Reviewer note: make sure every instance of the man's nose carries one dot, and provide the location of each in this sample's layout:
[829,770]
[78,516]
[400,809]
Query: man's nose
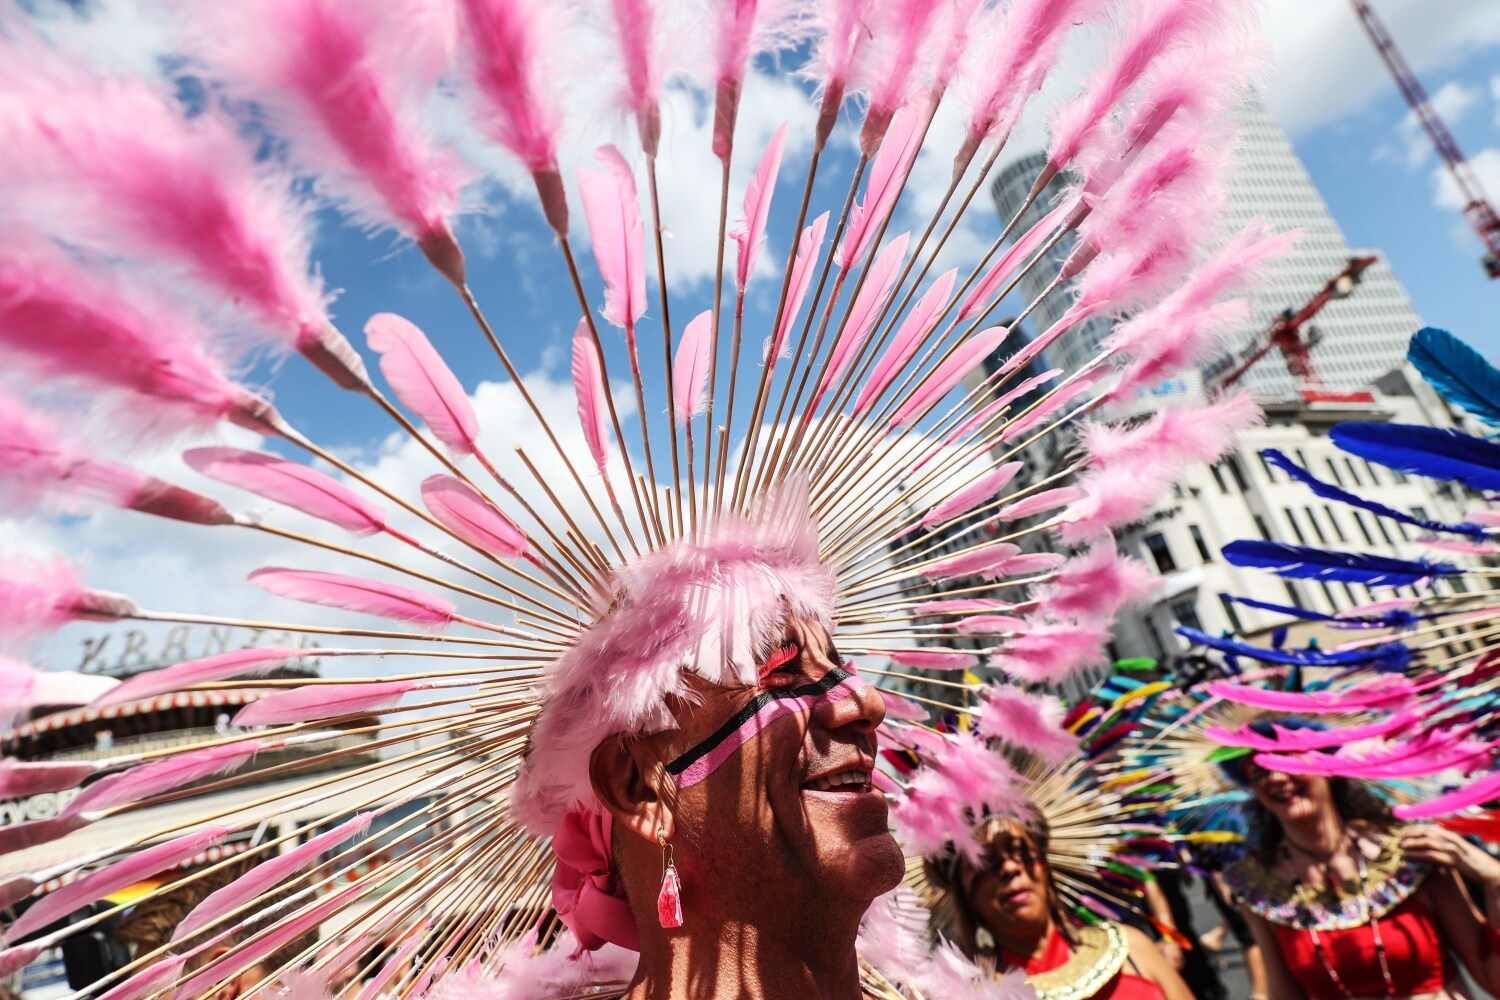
[861,709]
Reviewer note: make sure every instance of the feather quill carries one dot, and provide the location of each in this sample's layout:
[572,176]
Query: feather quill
[370,597]
[267,876]
[614,217]
[1328,491]
[218,667]
[908,339]
[809,247]
[111,878]
[471,516]
[749,234]
[1457,371]
[314,493]
[690,368]
[588,387]
[949,373]
[1308,563]
[887,176]
[1434,452]
[423,382]
[985,488]
[860,316]
[324,701]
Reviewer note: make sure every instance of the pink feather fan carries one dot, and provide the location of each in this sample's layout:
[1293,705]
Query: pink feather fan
[749,234]
[370,597]
[588,387]
[291,483]
[423,381]
[347,83]
[614,217]
[38,463]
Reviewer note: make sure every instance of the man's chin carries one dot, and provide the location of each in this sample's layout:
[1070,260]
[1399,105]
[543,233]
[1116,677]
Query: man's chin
[867,867]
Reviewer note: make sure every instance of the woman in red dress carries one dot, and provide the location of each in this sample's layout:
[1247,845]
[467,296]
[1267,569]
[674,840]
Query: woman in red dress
[1005,915]
[1346,904]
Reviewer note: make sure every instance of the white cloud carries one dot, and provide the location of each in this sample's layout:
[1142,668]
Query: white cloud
[1495,95]
[1326,67]
[1486,164]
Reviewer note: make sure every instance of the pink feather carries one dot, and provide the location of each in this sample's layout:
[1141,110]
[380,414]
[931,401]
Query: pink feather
[471,516]
[887,176]
[1014,256]
[992,410]
[39,596]
[347,85]
[1013,59]
[1033,562]
[112,878]
[991,625]
[20,779]
[987,487]
[38,462]
[120,165]
[959,606]
[983,560]
[181,676]
[1310,739]
[265,944]
[1030,721]
[1114,496]
[1475,793]
[324,701]
[899,32]
[370,597]
[949,373]
[614,217]
[690,367]
[1181,434]
[1056,401]
[18,688]
[66,324]
[740,27]
[875,289]
[908,339]
[588,386]
[268,875]
[1396,692]
[749,234]
[897,707]
[1464,546]
[1488,518]
[148,780]
[635,21]
[1094,586]
[934,659]
[152,979]
[1040,503]
[20,836]
[423,381]
[314,493]
[809,246]
[1052,652]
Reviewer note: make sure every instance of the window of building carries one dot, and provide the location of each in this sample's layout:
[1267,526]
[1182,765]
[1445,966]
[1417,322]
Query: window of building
[1231,612]
[1333,472]
[1328,595]
[1293,595]
[1266,465]
[1296,528]
[1420,513]
[1380,527]
[1200,544]
[1364,529]
[1317,528]
[1218,475]
[1338,528]
[1238,474]
[1400,476]
[1353,472]
[1260,527]
[1161,553]
[1186,613]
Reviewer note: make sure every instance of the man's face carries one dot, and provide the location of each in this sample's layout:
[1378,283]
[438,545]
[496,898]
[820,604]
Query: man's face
[772,781]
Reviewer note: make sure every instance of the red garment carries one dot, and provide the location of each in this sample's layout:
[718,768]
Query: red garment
[1123,987]
[1413,949]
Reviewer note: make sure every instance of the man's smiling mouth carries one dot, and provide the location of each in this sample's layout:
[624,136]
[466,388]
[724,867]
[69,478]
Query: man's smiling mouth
[851,780]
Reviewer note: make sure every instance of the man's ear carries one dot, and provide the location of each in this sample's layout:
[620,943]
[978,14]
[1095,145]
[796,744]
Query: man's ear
[627,779]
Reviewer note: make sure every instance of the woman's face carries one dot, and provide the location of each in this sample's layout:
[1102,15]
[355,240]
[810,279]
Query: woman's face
[1010,893]
[1289,797]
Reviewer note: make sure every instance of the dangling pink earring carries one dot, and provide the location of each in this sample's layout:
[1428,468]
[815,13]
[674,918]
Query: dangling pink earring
[669,900]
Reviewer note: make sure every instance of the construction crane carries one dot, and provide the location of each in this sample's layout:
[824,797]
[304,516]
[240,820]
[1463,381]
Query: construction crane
[1477,208]
[1285,335]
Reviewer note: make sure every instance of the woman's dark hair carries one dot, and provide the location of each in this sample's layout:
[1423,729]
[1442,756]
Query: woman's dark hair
[953,874]
[1353,800]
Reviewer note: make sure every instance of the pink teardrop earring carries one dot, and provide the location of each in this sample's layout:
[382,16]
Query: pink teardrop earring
[669,900]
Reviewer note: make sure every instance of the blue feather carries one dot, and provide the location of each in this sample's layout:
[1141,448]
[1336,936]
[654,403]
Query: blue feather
[1397,618]
[1386,656]
[1457,371]
[1424,451]
[1338,494]
[1304,562]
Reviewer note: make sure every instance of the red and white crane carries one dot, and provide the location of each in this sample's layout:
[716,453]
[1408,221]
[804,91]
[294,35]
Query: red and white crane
[1477,208]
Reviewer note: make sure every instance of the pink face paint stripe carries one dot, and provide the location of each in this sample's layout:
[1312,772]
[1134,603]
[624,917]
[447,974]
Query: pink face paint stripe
[753,726]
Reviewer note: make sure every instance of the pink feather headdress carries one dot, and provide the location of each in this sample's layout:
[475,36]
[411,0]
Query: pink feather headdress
[707,606]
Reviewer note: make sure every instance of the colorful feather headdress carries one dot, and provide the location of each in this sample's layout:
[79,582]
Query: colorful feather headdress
[842,459]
